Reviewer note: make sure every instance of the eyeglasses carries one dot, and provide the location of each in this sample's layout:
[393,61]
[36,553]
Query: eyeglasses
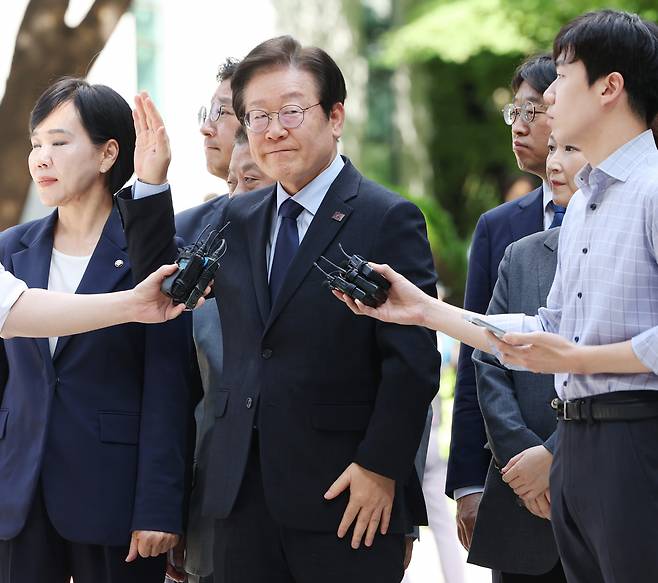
[217,111]
[290,117]
[528,112]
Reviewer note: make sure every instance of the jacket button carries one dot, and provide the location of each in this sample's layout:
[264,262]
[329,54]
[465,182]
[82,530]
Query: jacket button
[249,402]
[267,353]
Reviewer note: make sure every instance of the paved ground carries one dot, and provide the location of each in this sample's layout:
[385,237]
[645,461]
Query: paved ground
[425,566]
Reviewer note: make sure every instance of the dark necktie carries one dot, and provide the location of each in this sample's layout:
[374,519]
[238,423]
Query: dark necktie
[558,214]
[287,243]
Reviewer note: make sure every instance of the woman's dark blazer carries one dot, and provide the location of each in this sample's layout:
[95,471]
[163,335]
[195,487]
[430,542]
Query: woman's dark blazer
[102,425]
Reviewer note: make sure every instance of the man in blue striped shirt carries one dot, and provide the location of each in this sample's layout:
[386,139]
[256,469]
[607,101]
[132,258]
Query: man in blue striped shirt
[599,331]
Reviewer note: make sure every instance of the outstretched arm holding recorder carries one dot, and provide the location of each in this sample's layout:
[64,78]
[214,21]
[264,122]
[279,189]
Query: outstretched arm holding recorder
[532,348]
[40,313]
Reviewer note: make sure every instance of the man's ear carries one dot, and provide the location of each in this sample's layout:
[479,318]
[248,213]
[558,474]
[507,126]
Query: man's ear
[337,119]
[611,88]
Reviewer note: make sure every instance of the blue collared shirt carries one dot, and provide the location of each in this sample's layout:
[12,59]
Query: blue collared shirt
[606,284]
[310,197]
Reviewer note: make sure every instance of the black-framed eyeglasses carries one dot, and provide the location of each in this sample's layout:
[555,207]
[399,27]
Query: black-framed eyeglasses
[217,112]
[528,112]
[290,116]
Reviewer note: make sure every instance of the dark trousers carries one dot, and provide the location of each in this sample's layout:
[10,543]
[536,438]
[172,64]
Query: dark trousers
[250,547]
[40,555]
[555,575]
[604,500]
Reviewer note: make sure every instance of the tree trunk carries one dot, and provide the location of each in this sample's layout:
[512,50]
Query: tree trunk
[46,48]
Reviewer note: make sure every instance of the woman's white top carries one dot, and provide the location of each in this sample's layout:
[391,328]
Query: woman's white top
[11,289]
[66,273]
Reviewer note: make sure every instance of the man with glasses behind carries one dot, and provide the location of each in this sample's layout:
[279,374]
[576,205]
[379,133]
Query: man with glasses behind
[311,468]
[217,124]
[496,229]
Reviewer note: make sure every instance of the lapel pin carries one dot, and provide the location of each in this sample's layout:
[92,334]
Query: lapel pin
[338,216]
[118,263]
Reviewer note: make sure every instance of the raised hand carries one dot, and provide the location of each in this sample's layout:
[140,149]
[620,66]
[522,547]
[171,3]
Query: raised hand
[405,304]
[152,151]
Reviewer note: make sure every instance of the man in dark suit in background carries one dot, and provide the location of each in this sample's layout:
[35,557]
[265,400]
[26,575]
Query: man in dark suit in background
[496,229]
[320,413]
[218,125]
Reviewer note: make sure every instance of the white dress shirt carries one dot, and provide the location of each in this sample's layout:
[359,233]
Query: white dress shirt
[310,197]
[66,273]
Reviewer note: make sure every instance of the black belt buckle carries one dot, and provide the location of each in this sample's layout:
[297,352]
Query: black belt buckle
[567,410]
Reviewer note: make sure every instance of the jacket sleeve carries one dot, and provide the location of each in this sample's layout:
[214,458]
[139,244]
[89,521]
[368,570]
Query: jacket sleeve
[410,361]
[506,428]
[166,415]
[150,232]
[468,461]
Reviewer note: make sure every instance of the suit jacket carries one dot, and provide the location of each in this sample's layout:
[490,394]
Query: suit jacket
[495,230]
[98,423]
[208,341]
[330,388]
[517,415]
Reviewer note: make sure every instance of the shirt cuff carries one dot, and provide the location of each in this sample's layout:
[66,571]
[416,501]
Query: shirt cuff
[467,491]
[513,323]
[645,347]
[142,189]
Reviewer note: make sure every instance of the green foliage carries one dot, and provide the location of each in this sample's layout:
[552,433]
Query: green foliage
[464,52]
[456,31]
[450,250]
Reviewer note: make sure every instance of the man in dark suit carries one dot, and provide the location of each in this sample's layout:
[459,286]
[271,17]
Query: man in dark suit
[320,413]
[218,125]
[496,229]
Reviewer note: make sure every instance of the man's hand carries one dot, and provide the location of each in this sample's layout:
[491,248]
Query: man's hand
[467,511]
[152,152]
[540,506]
[149,543]
[405,304]
[540,352]
[408,550]
[527,472]
[149,305]
[370,504]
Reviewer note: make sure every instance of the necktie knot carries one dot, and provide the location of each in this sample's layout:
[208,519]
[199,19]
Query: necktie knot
[290,209]
[558,214]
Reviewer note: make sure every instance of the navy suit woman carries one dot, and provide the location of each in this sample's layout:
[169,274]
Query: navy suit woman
[92,446]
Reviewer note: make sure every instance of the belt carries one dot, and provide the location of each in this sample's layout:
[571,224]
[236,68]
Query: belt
[604,408]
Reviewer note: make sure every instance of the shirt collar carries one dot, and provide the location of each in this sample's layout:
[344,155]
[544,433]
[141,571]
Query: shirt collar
[311,196]
[620,164]
[547,193]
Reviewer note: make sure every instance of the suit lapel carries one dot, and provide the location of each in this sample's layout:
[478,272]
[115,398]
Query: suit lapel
[258,229]
[528,217]
[321,232]
[107,267]
[32,264]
